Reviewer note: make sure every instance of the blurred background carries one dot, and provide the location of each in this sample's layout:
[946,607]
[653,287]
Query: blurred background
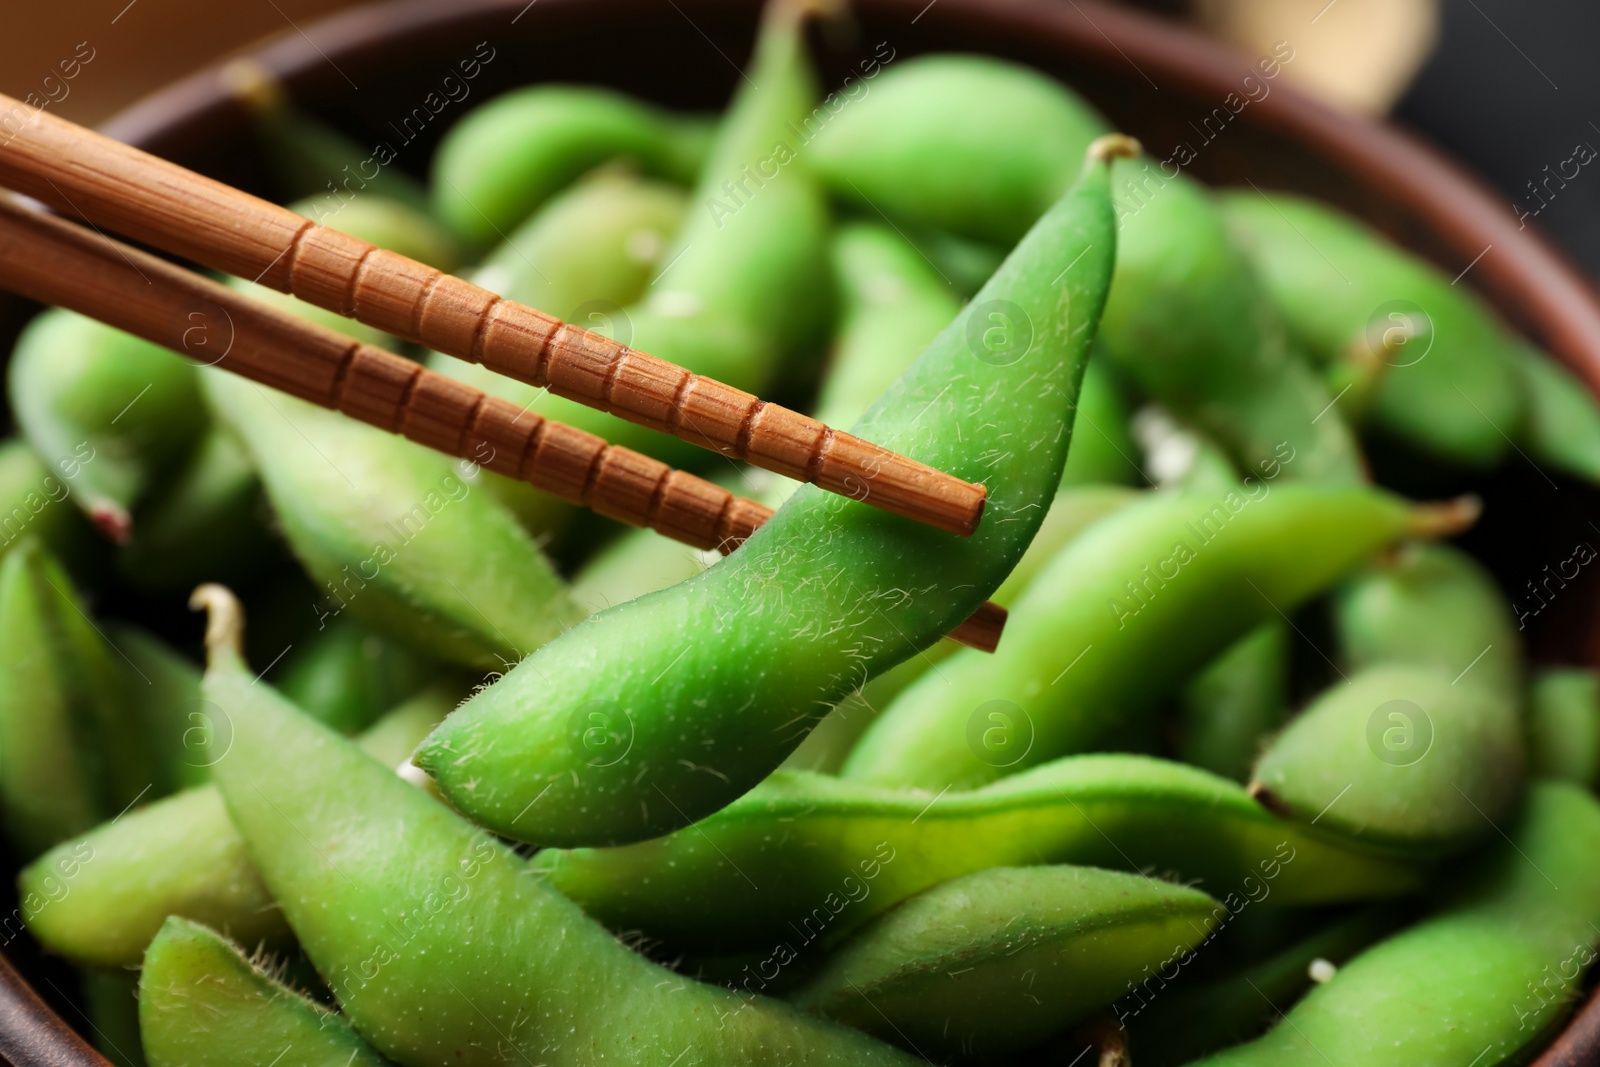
[1507,86]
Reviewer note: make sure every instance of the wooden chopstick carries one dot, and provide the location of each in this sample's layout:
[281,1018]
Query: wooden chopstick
[120,188]
[55,262]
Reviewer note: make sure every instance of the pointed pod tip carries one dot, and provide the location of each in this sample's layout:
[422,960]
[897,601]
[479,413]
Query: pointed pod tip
[112,520]
[224,620]
[1268,799]
[1445,518]
[1114,146]
[254,86]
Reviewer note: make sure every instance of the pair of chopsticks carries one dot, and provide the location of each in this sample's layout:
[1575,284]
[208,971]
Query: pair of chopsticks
[112,185]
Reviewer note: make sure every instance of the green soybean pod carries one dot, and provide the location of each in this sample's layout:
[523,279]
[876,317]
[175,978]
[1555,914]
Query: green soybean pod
[502,161]
[108,411]
[396,534]
[99,898]
[582,257]
[205,521]
[432,934]
[1481,981]
[804,858]
[33,498]
[1562,427]
[1000,960]
[162,690]
[969,144]
[201,1002]
[1189,323]
[695,693]
[1177,1027]
[1230,708]
[1108,627]
[1431,605]
[72,753]
[1451,385]
[1564,725]
[347,676]
[1074,510]
[1397,758]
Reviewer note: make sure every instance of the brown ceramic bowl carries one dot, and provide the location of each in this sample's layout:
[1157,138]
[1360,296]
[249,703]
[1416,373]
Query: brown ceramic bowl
[366,69]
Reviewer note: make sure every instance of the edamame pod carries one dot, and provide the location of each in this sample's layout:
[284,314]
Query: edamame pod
[1002,959]
[1229,709]
[1480,982]
[107,410]
[33,498]
[438,944]
[1103,450]
[1452,386]
[163,694]
[98,899]
[663,709]
[347,676]
[1396,758]
[587,253]
[206,521]
[1187,322]
[1435,606]
[201,1003]
[396,533]
[72,754]
[1073,511]
[1108,627]
[969,144]
[1174,1028]
[1562,427]
[826,854]
[1564,725]
[505,158]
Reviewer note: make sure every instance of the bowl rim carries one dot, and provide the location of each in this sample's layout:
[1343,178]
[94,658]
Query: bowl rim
[1525,272]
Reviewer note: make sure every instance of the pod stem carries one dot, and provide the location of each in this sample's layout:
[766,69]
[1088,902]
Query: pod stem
[256,87]
[1114,146]
[1446,518]
[224,622]
[112,520]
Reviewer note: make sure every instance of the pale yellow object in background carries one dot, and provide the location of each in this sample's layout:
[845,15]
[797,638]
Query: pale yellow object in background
[1358,54]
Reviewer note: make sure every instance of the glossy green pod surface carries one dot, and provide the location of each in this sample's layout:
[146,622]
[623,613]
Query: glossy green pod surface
[1107,628]
[1000,960]
[201,1002]
[1190,324]
[663,709]
[1480,982]
[71,752]
[804,857]
[1397,758]
[970,144]
[1562,427]
[1451,385]
[1564,725]
[395,533]
[33,498]
[438,943]
[1435,606]
[500,163]
[107,410]
[98,899]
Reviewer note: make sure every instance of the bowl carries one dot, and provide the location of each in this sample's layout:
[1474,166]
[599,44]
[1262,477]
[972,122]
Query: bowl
[368,70]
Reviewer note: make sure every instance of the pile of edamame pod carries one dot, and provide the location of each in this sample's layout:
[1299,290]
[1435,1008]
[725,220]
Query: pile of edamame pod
[1259,773]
